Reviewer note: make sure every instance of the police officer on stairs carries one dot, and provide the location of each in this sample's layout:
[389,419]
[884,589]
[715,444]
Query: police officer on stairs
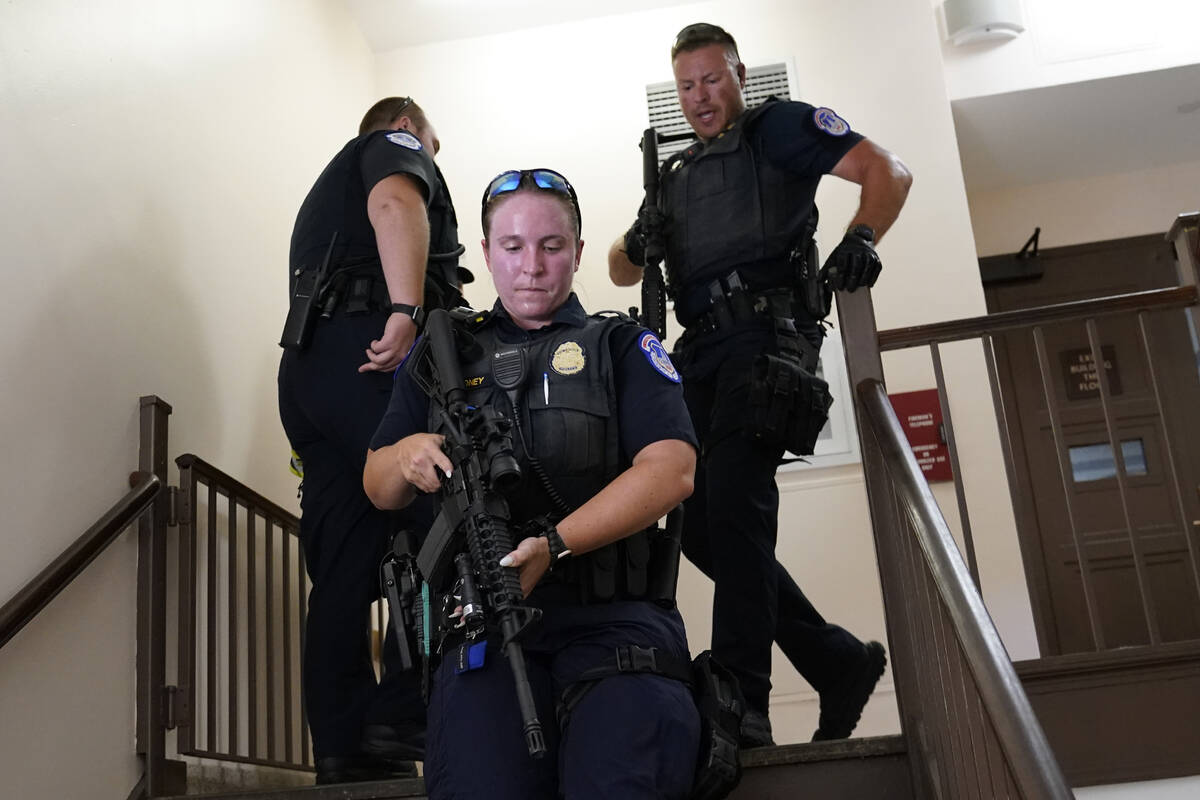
[737,214]
[375,244]
[606,448]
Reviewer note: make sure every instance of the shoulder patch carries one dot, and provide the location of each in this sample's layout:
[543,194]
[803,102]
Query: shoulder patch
[656,354]
[404,139]
[568,358]
[827,120]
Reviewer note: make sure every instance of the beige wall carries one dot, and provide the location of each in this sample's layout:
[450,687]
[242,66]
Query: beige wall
[154,154]
[571,97]
[1087,210]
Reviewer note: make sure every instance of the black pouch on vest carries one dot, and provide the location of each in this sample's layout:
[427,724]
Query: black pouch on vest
[788,404]
[719,699]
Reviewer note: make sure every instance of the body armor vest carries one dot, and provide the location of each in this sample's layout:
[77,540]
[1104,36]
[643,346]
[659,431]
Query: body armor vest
[727,206]
[565,437]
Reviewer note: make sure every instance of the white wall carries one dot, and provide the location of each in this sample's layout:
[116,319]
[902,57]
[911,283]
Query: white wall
[1088,210]
[571,96]
[1075,40]
[154,153]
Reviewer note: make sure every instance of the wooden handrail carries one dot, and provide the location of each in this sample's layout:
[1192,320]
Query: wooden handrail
[1033,765]
[35,595]
[972,327]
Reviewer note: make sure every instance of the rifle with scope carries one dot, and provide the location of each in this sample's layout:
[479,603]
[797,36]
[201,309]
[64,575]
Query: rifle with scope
[472,531]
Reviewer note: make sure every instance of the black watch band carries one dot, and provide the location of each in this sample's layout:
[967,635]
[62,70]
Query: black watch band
[865,232]
[559,551]
[416,312]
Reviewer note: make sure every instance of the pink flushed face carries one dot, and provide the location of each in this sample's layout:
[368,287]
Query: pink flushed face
[532,254]
[709,89]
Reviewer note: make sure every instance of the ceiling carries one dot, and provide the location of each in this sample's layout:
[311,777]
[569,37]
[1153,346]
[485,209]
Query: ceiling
[1098,127]
[1077,130]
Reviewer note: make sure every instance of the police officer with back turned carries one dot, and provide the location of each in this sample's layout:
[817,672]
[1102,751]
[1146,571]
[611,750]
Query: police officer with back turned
[736,215]
[375,244]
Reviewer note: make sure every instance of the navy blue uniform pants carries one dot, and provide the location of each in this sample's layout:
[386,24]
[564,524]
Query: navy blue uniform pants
[730,525]
[632,736]
[329,411]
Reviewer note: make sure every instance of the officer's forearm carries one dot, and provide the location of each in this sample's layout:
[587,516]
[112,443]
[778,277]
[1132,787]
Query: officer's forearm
[621,270]
[659,479]
[396,208]
[384,482]
[885,185]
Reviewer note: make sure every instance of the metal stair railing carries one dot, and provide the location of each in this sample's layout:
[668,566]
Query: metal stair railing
[47,584]
[964,716]
[968,718]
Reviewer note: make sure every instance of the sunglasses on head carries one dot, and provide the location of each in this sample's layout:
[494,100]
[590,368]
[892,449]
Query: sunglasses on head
[514,179]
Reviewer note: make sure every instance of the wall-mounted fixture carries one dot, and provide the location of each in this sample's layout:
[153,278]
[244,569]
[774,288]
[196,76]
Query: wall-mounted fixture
[969,21]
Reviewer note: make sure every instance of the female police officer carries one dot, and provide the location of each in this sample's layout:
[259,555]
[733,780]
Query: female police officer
[606,448]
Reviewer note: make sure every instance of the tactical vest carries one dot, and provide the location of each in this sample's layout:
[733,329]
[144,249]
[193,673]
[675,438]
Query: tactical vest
[726,205]
[566,438]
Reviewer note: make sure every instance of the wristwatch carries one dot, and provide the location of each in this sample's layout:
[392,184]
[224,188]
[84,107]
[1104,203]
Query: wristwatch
[864,232]
[416,312]
[559,551]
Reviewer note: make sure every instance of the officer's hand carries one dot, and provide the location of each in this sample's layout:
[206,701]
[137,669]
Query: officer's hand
[645,234]
[532,560]
[853,262]
[419,458]
[386,352]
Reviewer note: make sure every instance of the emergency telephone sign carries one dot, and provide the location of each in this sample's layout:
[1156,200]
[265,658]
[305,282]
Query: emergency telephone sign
[921,418]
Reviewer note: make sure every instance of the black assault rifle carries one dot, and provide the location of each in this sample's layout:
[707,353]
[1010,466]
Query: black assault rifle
[471,533]
[654,296]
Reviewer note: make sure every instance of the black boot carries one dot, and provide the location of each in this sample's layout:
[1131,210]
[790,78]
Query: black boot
[842,703]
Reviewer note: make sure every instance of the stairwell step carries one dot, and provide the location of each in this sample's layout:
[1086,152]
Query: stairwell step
[407,789]
[865,747]
[758,763]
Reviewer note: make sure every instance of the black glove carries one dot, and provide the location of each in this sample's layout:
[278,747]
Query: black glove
[853,262]
[647,230]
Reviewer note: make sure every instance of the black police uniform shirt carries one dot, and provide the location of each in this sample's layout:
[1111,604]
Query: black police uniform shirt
[805,141]
[650,404]
[338,201]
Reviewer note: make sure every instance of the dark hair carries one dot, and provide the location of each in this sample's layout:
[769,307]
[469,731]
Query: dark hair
[528,186]
[380,116]
[702,34]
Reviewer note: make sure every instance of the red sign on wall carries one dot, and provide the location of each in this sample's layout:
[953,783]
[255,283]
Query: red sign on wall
[921,417]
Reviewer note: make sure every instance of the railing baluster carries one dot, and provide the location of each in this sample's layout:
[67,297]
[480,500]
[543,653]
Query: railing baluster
[269,564]
[1118,453]
[1169,451]
[1021,504]
[232,572]
[186,669]
[252,636]
[1064,468]
[956,469]
[301,581]
[285,579]
[210,657]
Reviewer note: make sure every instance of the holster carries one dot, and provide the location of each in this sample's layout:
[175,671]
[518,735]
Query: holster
[788,404]
[812,293]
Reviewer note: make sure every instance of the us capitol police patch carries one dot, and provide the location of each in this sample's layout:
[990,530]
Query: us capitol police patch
[404,139]
[827,120]
[568,359]
[656,354]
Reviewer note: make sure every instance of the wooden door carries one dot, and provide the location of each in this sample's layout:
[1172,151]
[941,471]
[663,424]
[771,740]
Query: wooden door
[1091,499]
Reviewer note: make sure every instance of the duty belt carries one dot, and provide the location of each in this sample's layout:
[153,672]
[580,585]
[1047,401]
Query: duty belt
[732,304]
